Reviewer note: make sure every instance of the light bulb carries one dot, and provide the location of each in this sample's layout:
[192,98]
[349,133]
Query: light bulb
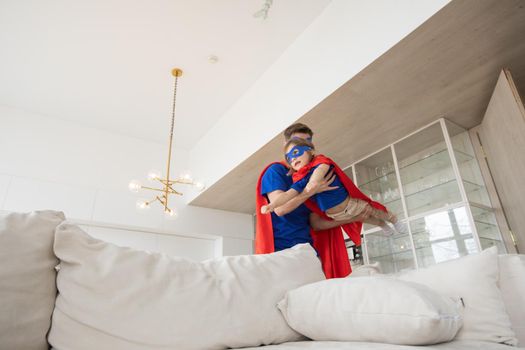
[134,186]
[170,213]
[200,186]
[153,175]
[142,204]
[186,176]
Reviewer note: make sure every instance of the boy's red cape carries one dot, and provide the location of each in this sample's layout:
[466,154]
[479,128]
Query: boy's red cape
[330,244]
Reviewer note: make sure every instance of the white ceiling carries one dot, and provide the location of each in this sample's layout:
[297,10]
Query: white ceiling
[106,63]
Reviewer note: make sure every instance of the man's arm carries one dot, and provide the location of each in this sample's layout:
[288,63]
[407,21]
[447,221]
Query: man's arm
[291,205]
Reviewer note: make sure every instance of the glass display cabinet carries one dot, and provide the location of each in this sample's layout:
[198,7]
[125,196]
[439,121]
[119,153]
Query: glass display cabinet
[432,181]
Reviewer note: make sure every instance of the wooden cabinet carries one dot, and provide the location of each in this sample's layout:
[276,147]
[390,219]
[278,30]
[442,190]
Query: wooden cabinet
[502,134]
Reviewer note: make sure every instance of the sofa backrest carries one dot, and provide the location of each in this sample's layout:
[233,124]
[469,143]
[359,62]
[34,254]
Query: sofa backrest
[27,278]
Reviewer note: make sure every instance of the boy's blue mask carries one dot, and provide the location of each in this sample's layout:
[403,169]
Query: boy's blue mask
[295,152]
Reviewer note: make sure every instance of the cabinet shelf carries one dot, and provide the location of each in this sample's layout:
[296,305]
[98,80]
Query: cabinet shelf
[487,230]
[429,164]
[440,209]
[387,177]
[444,188]
[433,197]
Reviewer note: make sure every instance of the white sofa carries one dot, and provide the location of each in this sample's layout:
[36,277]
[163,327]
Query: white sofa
[119,298]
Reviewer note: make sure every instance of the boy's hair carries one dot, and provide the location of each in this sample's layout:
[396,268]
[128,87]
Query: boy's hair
[297,142]
[297,128]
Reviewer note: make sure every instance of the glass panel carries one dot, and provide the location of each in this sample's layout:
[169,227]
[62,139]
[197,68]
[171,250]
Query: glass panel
[488,230]
[426,171]
[468,165]
[355,253]
[442,236]
[394,253]
[376,177]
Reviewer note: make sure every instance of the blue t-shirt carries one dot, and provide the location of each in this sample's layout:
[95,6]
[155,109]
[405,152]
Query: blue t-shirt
[294,227]
[327,199]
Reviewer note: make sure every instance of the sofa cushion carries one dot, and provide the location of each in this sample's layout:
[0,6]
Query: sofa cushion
[366,270]
[27,278]
[474,278]
[120,298]
[375,309]
[512,286]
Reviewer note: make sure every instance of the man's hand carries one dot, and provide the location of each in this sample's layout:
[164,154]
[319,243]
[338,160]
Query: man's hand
[323,185]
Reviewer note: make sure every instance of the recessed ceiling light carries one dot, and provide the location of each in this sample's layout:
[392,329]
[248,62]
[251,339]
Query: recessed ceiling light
[213,59]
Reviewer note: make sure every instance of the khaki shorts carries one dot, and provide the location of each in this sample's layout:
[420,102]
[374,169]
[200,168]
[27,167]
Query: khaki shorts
[353,208]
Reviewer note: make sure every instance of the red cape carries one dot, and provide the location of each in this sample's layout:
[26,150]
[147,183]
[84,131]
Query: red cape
[330,244]
[334,240]
[263,222]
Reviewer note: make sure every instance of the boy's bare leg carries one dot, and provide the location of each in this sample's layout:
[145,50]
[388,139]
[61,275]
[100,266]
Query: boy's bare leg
[381,215]
[374,221]
[390,217]
[382,224]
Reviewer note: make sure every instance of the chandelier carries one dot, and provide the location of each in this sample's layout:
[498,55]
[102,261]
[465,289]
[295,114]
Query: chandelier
[264,11]
[166,189]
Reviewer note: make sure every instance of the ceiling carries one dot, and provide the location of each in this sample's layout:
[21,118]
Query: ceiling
[106,64]
[446,67]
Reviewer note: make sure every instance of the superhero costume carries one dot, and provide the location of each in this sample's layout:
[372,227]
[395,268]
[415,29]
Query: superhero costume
[329,243]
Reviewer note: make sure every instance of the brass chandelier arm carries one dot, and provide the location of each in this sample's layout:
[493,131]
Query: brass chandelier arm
[176,181]
[182,181]
[167,189]
[160,200]
[173,191]
[153,189]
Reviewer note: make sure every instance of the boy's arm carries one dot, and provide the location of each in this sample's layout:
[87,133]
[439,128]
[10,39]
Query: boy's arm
[292,204]
[317,176]
[278,198]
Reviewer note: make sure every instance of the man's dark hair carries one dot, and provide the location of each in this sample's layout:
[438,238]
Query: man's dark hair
[297,128]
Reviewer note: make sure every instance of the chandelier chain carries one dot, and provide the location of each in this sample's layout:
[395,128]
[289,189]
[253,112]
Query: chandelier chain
[173,107]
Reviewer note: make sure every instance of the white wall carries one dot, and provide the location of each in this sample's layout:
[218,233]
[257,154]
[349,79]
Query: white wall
[46,163]
[346,37]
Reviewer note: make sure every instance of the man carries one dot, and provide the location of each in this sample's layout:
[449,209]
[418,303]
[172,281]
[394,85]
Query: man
[290,224]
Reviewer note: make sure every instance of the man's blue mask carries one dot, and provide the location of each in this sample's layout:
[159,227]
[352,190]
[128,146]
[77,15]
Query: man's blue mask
[295,152]
[309,138]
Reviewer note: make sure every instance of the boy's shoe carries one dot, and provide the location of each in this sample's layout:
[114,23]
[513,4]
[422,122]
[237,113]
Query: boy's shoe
[401,227]
[387,230]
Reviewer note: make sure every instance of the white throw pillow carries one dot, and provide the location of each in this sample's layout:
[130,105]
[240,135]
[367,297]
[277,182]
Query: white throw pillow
[27,278]
[120,298]
[366,270]
[373,309]
[512,286]
[473,278]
